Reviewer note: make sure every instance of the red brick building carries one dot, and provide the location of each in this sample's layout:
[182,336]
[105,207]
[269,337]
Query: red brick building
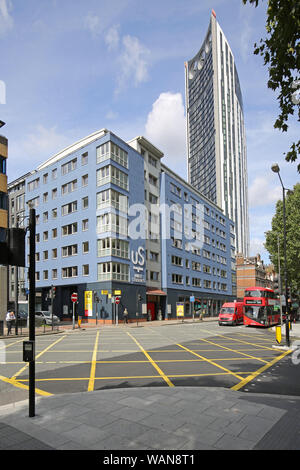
[251,272]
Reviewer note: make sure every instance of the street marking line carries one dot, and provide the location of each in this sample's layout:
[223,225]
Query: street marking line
[243,342]
[234,350]
[93,365]
[161,373]
[259,371]
[16,383]
[68,379]
[11,344]
[39,355]
[212,362]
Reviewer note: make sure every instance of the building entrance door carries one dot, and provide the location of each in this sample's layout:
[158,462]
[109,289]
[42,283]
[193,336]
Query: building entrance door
[151,307]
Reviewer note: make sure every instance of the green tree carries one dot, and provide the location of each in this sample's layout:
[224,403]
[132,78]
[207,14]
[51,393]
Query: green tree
[292,210]
[281,52]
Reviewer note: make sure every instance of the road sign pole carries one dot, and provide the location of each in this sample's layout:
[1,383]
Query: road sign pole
[73,315]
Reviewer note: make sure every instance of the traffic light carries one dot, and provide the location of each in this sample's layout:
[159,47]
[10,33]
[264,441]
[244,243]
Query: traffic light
[53,292]
[276,286]
[139,297]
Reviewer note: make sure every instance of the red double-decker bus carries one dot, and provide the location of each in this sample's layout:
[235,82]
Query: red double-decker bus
[261,307]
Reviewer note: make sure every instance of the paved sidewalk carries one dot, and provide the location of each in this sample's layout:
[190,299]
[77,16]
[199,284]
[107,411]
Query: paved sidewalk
[158,418]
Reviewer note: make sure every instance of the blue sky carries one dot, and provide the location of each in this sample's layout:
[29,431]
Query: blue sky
[71,67]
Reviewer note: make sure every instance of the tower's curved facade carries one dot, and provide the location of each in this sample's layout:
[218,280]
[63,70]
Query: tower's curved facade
[216,141]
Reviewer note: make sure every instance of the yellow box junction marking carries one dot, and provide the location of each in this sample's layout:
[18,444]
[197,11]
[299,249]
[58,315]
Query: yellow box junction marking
[259,371]
[211,362]
[161,373]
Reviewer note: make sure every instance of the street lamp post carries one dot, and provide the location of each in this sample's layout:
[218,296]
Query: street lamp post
[275,168]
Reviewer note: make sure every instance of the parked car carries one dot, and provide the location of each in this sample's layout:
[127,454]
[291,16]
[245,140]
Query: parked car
[46,317]
[23,319]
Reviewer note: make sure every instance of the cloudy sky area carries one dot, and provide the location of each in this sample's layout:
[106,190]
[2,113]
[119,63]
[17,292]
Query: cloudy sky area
[71,67]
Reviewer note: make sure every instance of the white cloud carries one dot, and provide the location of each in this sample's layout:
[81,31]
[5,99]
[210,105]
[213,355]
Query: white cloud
[6,21]
[133,63]
[262,192]
[39,145]
[112,38]
[166,129]
[92,23]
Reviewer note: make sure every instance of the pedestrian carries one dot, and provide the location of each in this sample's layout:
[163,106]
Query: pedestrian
[125,315]
[10,319]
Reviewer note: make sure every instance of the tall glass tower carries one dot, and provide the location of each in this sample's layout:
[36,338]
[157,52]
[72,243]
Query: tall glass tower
[216,142]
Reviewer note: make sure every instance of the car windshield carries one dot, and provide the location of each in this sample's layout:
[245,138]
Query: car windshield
[47,314]
[227,310]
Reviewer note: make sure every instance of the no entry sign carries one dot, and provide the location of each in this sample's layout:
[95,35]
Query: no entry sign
[117,300]
[74,297]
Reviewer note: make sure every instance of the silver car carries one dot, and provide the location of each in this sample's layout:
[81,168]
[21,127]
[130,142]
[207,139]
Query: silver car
[46,317]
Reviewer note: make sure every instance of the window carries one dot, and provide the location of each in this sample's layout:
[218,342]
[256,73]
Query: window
[84,158]
[113,271]
[154,276]
[54,213]
[70,272]
[112,198]
[54,193]
[54,233]
[69,166]
[152,180]
[70,250]
[85,180]
[45,178]
[69,187]
[54,174]
[176,260]
[45,217]
[54,273]
[113,247]
[196,282]
[85,270]
[45,255]
[45,275]
[33,184]
[85,247]
[111,174]
[152,161]
[69,208]
[54,253]
[85,202]
[85,225]
[113,151]
[45,198]
[177,279]
[45,236]
[69,229]
[112,223]
[153,199]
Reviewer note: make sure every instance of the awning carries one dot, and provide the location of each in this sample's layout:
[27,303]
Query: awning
[155,291]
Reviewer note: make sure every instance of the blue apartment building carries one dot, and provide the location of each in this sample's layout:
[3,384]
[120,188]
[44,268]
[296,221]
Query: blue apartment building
[91,235]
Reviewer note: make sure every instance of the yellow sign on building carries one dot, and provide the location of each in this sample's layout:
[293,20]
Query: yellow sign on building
[88,303]
[180,309]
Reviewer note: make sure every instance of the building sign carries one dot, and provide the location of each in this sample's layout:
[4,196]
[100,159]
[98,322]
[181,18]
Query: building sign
[138,261]
[88,303]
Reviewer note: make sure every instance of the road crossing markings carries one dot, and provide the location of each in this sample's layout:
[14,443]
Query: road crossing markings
[243,342]
[259,371]
[18,384]
[161,373]
[233,350]
[39,355]
[91,384]
[212,362]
